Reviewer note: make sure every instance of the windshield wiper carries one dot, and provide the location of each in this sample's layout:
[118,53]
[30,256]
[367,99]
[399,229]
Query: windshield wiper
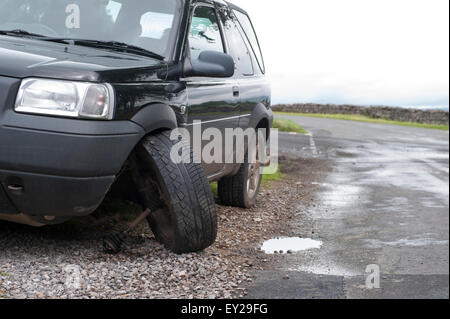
[114,45]
[20,33]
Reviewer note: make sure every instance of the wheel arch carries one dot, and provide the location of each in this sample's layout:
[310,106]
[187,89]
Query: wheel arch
[262,117]
[155,118]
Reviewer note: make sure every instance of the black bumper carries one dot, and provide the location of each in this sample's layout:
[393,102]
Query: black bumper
[58,167]
[45,195]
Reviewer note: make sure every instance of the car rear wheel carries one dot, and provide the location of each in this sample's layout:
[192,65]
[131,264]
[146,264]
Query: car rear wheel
[183,215]
[242,189]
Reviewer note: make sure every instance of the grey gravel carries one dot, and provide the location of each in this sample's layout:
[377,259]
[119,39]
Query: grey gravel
[34,265]
[67,261]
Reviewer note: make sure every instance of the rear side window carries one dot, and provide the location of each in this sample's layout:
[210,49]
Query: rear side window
[238,47]
[250,33]
[205,32]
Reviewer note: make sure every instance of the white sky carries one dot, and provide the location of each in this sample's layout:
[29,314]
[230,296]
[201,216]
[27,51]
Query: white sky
[370,52]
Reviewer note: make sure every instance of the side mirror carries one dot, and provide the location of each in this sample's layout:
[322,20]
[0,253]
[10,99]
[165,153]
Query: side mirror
[210,64]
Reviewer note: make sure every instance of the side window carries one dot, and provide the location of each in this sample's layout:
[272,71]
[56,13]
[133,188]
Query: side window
[205,32]
[238,47]
[250,33]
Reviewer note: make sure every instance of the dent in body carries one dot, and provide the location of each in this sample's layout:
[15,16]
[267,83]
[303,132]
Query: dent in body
[133,98]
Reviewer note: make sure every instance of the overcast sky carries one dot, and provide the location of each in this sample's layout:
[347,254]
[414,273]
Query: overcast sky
[370,52]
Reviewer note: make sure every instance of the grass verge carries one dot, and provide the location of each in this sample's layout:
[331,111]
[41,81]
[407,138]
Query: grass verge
[267,179]
[288,126]
[366,119]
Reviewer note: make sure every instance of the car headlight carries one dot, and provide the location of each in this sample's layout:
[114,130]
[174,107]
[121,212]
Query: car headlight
[65,98]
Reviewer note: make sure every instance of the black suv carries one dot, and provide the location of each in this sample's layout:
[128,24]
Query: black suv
[90,92]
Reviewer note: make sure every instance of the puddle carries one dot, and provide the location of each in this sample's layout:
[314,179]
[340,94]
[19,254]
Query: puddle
[294,244]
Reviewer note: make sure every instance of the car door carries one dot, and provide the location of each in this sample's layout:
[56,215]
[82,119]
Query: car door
[213,101]
[253,85]
[244,68]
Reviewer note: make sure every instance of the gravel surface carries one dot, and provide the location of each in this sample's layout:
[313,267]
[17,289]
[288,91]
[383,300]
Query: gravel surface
[67,261]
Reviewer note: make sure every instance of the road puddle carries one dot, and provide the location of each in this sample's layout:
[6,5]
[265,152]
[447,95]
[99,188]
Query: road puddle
[289,245]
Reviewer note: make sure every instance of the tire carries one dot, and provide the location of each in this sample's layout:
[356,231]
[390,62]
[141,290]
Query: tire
[186,220]
[236,191]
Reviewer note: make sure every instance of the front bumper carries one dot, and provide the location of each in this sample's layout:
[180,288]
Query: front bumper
[49,195]
[58,167]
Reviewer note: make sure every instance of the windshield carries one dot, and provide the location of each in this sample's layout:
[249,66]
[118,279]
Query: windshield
[149,24]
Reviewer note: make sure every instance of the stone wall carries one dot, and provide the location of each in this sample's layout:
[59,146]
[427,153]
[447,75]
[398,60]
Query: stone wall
[378,112]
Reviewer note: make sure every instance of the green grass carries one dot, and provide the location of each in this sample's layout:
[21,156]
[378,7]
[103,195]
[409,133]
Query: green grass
[214,187]
[267,179]
[361,118]
[288,126]
[3,274]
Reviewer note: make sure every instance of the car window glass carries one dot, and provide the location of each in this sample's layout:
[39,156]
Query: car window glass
[205,32]
[238,47]
[250,33]
[148,24]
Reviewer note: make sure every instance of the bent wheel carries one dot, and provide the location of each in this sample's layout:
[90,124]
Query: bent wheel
[187,220]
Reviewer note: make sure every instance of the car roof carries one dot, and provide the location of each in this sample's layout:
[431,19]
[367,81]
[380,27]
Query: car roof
[235,7]
[231,5]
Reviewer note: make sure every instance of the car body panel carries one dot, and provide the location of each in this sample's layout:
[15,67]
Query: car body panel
[23,57]
[63,167]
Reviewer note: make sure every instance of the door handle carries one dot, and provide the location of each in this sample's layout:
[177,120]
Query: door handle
[236,91]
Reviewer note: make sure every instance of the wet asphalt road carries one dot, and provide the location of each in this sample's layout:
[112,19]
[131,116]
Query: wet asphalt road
[385,202]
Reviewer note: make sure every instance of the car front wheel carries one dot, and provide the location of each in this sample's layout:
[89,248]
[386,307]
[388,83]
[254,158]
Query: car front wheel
[184,213]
